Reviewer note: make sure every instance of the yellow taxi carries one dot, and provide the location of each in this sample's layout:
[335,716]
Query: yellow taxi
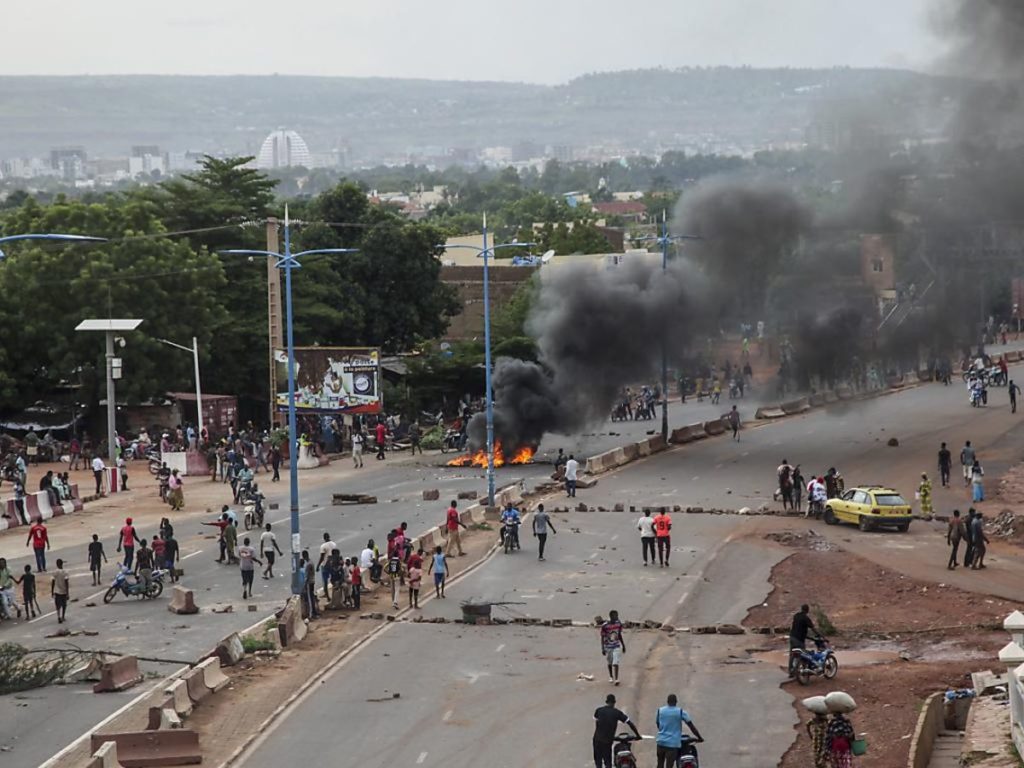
[868,507]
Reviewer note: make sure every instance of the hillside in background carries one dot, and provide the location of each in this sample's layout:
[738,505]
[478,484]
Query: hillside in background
[379,117]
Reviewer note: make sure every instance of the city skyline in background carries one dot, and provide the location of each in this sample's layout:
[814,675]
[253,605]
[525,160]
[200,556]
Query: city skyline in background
[462,40]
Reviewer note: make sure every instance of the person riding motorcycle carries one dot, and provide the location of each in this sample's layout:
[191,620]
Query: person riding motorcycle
[511,516]
[800,629]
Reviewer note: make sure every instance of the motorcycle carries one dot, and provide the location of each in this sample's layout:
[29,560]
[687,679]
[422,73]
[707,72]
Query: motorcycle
[622,752]
[153,457]
[451,441]
[510,535]
[688,757]
[129,587]
[252,507]
[819,663]
[979,397]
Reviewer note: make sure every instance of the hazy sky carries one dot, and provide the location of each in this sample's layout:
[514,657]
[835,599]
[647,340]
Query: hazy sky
[533,40]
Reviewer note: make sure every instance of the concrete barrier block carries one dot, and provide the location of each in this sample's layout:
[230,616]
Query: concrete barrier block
[713,428]
[910,378]
[162,715]
[291,627]
[800,405]
[196,686]
[844,392]
[118,675]
[657,443]
[831,397]
[105,756]
[477,513]
[816,400]
[631,450]
[769,412]
[141,749]
[182,601]
[643,448]
[229,651]
[180,700]
[212,676]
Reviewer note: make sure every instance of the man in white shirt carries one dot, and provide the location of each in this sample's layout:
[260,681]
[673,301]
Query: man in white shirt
[571,468]
[325,552]
[98,468]
[646,527]
[268,546]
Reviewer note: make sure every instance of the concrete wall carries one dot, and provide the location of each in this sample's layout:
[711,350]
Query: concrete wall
[929,723]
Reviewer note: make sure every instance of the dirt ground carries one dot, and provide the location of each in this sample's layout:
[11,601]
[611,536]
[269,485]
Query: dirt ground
[934,639]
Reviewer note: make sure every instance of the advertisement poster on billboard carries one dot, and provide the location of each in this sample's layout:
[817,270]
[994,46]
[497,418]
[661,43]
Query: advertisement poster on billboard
[343,380]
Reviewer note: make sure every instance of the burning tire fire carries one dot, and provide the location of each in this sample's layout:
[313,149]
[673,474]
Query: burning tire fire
[522,455]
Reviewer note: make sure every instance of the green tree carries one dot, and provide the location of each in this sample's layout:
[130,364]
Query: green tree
[49,290]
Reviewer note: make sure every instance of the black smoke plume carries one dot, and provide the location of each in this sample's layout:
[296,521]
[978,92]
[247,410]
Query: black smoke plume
[746,229]
[597,330]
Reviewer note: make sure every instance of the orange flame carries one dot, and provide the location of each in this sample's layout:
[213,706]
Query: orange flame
[523,455]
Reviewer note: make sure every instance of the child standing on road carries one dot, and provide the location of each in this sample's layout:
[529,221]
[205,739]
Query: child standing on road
[440,569]
[28,592]
[96,553]
[357,583]
[415,577]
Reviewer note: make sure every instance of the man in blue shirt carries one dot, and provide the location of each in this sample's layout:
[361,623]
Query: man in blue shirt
[511,515]
[669,720]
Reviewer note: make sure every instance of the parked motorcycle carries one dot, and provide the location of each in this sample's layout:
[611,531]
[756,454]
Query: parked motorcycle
[819,663]
[451,441]
[126,584]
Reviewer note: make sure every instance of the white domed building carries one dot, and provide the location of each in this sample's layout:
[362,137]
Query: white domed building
[283,149]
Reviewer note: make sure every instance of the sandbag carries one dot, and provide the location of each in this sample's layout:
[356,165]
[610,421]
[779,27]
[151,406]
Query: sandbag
[816,704]
[839,702]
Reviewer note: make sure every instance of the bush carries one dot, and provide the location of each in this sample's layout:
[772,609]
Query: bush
[431,439]
[253,644]
[20,670]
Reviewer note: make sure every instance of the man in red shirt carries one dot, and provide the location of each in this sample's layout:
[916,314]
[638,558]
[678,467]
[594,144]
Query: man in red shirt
[40,541]
[662,531]
[127,541]
[357,583]
[451,524]
[381,435]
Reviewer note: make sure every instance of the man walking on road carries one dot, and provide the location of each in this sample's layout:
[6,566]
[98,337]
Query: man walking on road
[613,645]
[662,532]
[541,523]
[246,559]
[954,535]
[126,541]
[646,527]
[572,468]
[96,559]
[452,523]
[40,541]
[980,542]
[945,465]
[669,722]
[606,723]
[967,456]
[357,448]
[969,537]
[1014,391]
[381,436]
[734,423]
[268,546]
[60,591]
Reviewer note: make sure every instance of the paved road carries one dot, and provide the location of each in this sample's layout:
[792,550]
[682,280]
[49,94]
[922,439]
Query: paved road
[510,694]
[848,436]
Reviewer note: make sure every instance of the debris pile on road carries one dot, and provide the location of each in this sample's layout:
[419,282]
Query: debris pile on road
[809,540]
[1003,525]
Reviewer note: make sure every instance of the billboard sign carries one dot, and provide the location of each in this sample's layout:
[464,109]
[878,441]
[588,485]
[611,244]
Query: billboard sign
[331,380]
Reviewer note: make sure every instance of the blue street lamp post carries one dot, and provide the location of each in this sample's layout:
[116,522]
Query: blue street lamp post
[66,238]
[665,240]
[289,261]
[489,393]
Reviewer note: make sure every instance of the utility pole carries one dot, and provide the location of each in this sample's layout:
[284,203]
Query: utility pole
[275,336]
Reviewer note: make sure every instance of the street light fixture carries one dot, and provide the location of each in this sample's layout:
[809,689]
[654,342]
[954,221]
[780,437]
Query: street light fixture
[289,261]
[194,349]
[65,238]
[486,253]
